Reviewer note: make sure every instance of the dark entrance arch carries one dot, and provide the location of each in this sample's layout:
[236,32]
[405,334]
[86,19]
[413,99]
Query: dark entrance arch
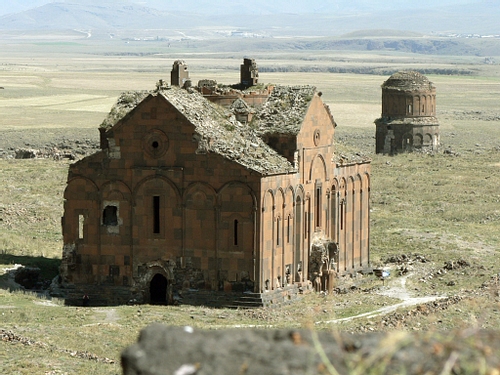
[158,290]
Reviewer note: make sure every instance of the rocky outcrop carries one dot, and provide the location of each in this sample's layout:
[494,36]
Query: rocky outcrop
[187,351]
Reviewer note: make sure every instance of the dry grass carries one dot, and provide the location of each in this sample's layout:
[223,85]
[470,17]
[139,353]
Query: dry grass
[444,207]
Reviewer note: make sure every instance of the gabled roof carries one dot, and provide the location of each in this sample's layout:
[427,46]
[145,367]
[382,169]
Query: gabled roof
[226,136]
[217,130]
[284,110]
[125,103]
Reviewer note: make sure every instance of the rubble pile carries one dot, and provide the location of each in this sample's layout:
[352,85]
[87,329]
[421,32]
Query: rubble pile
[398,319]
[457,264]
[44,153]
[406,258]
[58,147]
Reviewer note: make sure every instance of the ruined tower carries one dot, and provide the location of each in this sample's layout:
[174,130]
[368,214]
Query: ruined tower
[408,121]
[179,74]
[249,74]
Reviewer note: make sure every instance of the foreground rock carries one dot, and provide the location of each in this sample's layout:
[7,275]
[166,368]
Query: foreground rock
[183,350]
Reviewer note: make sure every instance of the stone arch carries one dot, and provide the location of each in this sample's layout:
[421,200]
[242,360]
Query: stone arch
[418,140]
[158,215]
[240,185]
[318,172]
[279,236]
[200,195]
[407,142]
[267,235]
[268,200]
[158,290]
[427,139]
[149,179]
[161,270]
[334,210]
[299,192]
[409,105]
[298,270]
[77,182]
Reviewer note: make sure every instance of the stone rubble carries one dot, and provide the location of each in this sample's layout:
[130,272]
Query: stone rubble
[11,337]
[220,133]
[284,110]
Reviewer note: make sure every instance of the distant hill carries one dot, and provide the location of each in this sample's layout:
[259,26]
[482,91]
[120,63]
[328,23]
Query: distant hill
[278,18]
[106,16]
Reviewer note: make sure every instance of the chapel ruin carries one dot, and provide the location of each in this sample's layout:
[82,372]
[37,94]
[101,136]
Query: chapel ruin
[408,120]
[209,194]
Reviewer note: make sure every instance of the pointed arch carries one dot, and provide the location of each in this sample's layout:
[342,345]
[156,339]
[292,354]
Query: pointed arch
[157,212]
[318,169]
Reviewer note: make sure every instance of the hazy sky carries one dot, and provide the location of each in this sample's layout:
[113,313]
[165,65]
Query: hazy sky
[255,6]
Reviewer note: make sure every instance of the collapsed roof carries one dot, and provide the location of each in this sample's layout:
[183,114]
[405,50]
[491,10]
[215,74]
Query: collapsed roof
[284,110]
[217,130]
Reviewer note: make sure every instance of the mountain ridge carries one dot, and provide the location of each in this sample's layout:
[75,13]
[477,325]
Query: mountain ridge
[471,17]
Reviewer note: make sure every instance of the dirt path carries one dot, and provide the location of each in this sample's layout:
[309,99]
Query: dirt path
[396,289]
[111,315]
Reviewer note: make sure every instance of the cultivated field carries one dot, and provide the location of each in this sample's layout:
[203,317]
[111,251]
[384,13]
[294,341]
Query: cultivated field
[435,219]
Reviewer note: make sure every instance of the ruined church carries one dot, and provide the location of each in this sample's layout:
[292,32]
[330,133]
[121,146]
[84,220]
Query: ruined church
[408,122]
[216,195]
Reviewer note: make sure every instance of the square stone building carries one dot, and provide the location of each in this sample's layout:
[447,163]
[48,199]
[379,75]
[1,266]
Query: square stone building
[185,204]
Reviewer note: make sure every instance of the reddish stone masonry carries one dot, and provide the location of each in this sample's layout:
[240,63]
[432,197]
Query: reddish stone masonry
[190,201]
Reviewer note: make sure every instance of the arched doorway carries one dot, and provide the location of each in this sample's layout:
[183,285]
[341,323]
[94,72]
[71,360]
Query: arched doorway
[158,290]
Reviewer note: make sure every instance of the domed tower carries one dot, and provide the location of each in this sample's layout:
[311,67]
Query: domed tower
[408,120]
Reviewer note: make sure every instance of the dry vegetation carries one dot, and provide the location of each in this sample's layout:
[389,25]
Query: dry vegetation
[443,207]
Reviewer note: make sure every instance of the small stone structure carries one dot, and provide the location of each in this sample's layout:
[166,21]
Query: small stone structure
[249,74]
[210,194]
[179,74]
[408,120]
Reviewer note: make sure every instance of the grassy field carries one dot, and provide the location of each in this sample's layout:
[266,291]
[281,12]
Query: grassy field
[445,207]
